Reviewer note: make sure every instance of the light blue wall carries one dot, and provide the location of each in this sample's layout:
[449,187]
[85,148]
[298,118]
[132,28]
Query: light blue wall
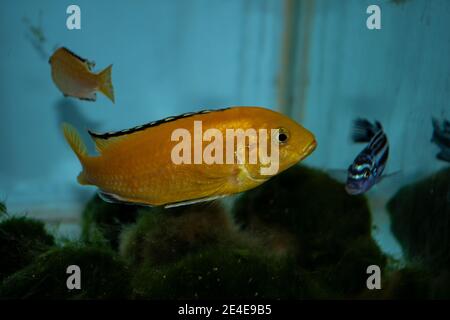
[399,75]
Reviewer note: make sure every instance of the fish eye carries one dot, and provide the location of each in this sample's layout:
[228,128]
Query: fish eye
[283,136]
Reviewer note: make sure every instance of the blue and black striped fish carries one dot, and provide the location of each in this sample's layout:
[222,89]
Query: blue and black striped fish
[367,168]
[441,137]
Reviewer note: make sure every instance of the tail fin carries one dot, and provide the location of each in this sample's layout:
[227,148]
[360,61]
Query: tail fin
[74,140]
[77,145]
[106,86]
[364,130]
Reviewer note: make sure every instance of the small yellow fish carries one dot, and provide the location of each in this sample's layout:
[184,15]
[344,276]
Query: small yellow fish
[74,77]
[141,165]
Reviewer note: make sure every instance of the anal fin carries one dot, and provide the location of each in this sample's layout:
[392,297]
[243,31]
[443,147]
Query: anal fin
[113,198]
[194,201]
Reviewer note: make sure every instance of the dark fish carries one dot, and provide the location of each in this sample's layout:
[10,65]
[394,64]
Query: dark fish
[367,168]
[441,137]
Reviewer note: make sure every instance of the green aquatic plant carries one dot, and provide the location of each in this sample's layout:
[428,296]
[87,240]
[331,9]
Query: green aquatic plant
[164,235]
[103,222]
[21,241]
[226,272]
[420,220]
[330,231]
[103,276]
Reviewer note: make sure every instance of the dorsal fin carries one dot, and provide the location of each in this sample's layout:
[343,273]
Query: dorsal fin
[74,54]
[110,135]
[102,144]
[89,64]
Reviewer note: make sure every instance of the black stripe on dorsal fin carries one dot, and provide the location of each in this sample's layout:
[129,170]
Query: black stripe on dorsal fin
[75,55]
[108,135]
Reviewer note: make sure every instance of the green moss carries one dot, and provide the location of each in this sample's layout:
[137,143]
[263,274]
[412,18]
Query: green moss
[225,272]
[440,285]
[163,236]
[408,283]
[420,220]
[21,241]
[347,277]
[103,276]
[197,252]
[103,222]
[330,230]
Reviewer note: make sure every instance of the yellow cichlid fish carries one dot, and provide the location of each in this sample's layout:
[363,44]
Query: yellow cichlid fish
[142,165]
[74,77]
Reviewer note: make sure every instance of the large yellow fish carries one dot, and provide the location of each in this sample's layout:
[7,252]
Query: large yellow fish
[74,77]
[142,165]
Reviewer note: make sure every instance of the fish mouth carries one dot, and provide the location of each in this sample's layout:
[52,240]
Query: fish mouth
[308,149]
